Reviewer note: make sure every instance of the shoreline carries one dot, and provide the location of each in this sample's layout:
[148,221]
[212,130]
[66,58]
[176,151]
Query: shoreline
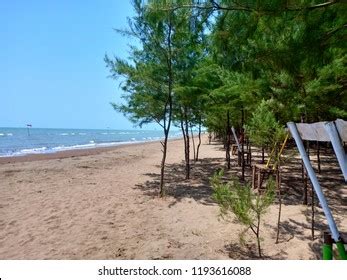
[74,152]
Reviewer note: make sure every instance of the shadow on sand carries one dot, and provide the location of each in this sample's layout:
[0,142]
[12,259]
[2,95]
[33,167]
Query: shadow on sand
[198,188]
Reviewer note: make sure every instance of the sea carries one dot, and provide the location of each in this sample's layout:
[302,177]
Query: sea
[24,141]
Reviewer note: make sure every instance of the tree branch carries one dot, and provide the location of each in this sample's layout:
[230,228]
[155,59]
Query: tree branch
[252,228]
[215,6]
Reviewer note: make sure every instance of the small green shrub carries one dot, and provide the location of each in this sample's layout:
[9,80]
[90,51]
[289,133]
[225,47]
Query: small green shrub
[247,206]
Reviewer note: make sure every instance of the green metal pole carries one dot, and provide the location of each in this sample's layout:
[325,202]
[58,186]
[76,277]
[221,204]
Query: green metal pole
[327,252]
[327,246]
[341,249]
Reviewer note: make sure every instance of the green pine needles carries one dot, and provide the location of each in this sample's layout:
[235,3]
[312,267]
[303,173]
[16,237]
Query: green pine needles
[247,206]
[263,129]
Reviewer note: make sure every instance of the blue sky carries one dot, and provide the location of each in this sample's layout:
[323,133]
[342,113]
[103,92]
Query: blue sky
[52,72]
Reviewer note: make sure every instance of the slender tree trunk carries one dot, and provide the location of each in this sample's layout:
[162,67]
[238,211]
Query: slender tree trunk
[167,111]
[242,145]
[162,168]
[193,141]
[249,150]
[199,143]
[187,155]
[278,183]
[228,144]
[185,142]
[258,236]
[186,145]
[262,155]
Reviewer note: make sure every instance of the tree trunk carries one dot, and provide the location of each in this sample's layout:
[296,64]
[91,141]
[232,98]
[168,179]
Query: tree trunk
[167,114]
[228,144]
[199,143]
[278,183]
[262,155]
[242,145]
[258,236]
[249,150]
[162,167]
[185,142]
[187,155]
[193,141]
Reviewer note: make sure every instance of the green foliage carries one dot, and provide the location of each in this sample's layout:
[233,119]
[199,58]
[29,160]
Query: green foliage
[247,206]
[240,199]
[144,76]
[296,59]
[263,129]
[329,88]
[262,63]
[290,52]
[145,91]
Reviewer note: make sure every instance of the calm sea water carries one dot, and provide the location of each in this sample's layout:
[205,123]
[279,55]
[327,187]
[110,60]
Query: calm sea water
[16,141]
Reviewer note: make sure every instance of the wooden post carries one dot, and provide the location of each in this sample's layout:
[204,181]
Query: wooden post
[308,148]
[305,188]
[304,177]
[238,158]
[313,212]
[318,157]
[262,155]
[259,178]
[28,128]
[250,155]
[253,176]
[304,183]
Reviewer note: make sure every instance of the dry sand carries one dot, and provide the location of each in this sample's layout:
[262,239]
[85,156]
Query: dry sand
[103,204]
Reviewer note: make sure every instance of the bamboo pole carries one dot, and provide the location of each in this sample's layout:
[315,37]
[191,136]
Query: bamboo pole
[314,180]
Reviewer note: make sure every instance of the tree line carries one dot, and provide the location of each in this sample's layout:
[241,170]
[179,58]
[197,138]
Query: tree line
[242,63]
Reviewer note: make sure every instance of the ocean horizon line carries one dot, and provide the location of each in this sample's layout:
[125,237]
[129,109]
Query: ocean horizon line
[22,141]
[33,127]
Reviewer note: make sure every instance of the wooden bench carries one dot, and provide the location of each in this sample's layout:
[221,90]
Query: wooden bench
[259,171]
[234,149]
[247,157]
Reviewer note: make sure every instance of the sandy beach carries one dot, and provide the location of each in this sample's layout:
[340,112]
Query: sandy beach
[103,204]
